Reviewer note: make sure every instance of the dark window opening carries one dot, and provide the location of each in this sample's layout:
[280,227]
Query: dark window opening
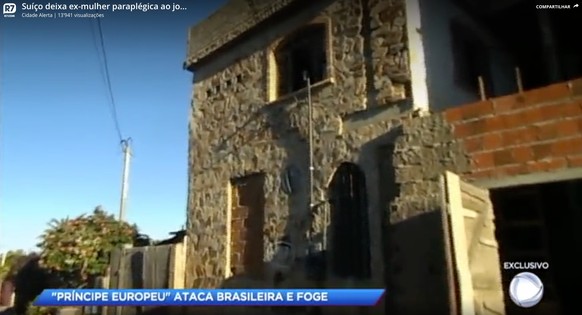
[350,243]
[538,223]
[302,53]
[539,41]
[471,59]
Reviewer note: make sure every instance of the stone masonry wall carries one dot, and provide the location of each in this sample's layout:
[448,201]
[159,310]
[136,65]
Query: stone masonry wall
[390,57]
[234,132]
[416,266]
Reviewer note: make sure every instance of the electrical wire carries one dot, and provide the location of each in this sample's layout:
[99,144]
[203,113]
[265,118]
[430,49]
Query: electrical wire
[95,36]
[112,104]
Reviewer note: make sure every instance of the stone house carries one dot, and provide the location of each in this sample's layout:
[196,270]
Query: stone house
[422,137]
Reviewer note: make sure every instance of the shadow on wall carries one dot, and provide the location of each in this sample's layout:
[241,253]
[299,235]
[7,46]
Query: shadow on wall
[377,158]
[416,272]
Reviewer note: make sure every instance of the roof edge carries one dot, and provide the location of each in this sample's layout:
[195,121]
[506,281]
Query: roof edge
[200,46]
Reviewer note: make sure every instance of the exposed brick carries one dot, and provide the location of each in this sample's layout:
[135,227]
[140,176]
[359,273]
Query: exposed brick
[454,115]
[576,87]
[510,170]
[476,110]
[542,151]
[553,111]
[522,154]
[492,141]
[478,127]
[536,166]
[241,212]
[483,160]
[532,115]
[567,128]
[464,130]
[506,104]
[572,109]
[561,110]
[474,144]
[546,131]
[565,147]
[237,224]
[513,120]
[550,93]
[557,163]
[558,129]
[519,136]
[503,157]
[481,174]
[529,116]
[494,124]
[547,165]
[574,161]
[486,142]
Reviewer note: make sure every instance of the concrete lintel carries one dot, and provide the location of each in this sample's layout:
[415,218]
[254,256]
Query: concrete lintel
[532,179]
[376,114]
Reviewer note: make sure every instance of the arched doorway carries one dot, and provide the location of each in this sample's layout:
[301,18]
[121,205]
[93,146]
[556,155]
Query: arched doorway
[350,233]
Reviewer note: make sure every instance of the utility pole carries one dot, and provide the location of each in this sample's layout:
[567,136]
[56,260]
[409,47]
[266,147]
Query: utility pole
[126,147]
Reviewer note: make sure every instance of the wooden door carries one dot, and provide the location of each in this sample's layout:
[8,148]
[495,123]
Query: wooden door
[474,248]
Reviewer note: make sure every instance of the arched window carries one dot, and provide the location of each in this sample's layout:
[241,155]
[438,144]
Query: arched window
[350,233]
[304,52]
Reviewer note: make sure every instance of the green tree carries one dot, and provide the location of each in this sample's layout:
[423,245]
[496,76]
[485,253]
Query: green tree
[10,260]
[78,249]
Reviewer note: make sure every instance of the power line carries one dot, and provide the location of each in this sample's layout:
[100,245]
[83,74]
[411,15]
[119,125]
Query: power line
[94,36]
[113,108]
[125,143]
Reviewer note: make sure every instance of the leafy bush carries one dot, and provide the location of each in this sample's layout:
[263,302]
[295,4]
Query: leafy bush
[11,263]
[78,249]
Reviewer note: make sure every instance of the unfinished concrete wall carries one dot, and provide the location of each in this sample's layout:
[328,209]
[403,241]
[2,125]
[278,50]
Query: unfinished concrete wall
[235,130]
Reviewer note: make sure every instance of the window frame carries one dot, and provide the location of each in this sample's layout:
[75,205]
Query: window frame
[273,70]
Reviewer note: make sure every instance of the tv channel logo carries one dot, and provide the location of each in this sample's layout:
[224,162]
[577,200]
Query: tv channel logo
[526,289]
[8,9]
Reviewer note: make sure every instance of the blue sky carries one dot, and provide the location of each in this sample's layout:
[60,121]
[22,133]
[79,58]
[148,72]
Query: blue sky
[60,153]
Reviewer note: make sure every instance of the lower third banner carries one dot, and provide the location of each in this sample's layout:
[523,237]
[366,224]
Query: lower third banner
[218,297]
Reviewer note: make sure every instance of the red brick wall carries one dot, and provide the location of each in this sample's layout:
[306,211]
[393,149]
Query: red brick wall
[247,221]
[535,131]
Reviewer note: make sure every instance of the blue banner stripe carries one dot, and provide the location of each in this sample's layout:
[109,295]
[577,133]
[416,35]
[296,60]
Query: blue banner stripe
[217,297]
